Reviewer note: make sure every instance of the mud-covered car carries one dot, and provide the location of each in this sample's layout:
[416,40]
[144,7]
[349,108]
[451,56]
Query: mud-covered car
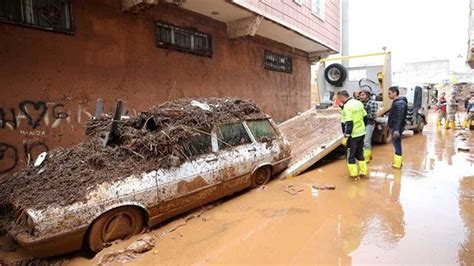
[225,158]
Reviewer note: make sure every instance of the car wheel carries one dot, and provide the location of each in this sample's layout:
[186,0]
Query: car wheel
[119,223]
[261,176]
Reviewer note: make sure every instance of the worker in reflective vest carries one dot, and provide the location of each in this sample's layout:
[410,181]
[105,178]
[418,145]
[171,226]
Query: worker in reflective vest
[353,121]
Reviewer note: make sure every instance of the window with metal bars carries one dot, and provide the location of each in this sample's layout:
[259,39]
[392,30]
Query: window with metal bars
[53,15]
[277,62]
[184,40]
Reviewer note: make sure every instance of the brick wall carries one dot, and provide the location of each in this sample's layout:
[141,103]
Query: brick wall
[50,82]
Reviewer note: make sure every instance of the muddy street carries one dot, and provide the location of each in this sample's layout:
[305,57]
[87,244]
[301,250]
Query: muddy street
[421,214]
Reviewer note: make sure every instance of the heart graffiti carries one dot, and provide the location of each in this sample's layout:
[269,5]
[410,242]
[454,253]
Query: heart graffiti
[34,117]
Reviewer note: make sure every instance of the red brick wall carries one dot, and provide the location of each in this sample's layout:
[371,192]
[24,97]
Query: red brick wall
[49,82]
[300,17]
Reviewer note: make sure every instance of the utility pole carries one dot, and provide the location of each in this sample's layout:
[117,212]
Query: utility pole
[345,30]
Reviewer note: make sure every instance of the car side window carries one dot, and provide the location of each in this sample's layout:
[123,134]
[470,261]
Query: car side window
[262,130]
[198,144]
[232,135]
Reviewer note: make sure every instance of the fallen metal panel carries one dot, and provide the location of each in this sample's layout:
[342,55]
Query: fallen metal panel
[312,135]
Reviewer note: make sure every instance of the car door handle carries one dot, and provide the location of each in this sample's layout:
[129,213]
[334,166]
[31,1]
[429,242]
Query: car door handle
[211,160]
[252,149]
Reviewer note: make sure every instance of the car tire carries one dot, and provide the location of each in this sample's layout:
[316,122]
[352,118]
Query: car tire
[119,223]
[335,74]
[261,176]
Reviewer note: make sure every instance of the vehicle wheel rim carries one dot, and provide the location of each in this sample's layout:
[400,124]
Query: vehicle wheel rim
[260,177]
[119,226]
[334,74]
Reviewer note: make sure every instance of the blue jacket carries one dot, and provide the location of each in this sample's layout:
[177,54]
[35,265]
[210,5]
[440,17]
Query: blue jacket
[398,114]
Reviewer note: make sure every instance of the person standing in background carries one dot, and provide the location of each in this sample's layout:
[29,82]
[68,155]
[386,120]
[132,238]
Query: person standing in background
[371,107]
[469,113]
[442,110]
[396,122]
[452,109]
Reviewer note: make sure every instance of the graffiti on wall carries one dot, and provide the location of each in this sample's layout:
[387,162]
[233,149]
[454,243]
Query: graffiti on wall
[9,155]
[32,120]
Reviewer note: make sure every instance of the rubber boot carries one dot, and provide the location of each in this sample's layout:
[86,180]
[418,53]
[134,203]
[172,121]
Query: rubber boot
[438,123]
[446,124]
[465,123]
[397,161]
[352,170]
[367,155]
[452,124]
[364,171]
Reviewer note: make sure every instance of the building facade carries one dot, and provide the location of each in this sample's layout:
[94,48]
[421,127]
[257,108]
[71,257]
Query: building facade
[63,59]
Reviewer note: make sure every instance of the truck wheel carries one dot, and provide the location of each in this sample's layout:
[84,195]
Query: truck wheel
[119,223]
[420,126]
[335,74]
[386,136]
[261,176]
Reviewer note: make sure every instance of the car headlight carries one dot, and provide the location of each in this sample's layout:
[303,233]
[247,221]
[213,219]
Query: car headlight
[27,222]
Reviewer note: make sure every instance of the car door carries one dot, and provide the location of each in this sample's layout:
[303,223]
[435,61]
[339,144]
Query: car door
[188,185]
[236,155]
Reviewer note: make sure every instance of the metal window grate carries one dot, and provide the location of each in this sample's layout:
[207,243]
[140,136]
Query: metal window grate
[181,39]
[278,62]
[53,15]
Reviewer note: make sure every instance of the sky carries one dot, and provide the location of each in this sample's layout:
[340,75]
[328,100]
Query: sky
[413,30]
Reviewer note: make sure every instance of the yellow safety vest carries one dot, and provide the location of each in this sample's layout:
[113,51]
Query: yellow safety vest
[353,110]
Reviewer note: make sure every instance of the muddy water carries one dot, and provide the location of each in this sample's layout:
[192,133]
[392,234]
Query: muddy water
[423,213]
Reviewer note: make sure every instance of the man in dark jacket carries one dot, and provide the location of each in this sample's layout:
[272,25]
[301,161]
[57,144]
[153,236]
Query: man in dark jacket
[396,123]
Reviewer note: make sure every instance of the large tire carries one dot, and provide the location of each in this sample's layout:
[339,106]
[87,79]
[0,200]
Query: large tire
[386,135]
[420,126]
[119,223]
[335,74]
[261,176]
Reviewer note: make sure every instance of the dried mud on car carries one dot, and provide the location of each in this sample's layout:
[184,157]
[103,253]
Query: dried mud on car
[157,138]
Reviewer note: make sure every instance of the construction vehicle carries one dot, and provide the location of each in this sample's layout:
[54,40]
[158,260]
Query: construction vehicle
[317,132]
[373,73]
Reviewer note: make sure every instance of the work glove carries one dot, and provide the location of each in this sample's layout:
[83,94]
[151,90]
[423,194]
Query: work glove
[344,141]
[396,135]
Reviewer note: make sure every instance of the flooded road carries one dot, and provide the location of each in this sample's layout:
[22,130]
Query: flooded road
[423,213]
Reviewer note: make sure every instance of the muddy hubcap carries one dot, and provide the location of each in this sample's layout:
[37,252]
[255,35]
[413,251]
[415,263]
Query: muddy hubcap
[118,227]
[260,177]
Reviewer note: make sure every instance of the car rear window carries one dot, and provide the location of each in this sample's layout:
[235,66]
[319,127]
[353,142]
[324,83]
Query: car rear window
[198,144]
[232,135]
[262,130]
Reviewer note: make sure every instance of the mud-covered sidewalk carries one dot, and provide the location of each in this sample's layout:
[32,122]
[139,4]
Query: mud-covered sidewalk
[421,214]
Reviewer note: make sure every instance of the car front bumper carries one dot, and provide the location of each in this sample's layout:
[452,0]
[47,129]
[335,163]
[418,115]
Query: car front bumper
[53,245]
